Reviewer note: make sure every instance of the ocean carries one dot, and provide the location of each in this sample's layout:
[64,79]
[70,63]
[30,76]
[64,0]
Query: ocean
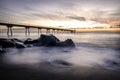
[96,54]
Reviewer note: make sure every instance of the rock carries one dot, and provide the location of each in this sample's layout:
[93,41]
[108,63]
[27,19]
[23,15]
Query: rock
[113,63]
[17,40]
[48,40]
[2,50]
[6,43]
[67,43]
[19,45]
[44,40]
[61,63]
[30,41]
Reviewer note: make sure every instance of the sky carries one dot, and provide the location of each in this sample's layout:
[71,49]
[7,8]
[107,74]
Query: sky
[61,13]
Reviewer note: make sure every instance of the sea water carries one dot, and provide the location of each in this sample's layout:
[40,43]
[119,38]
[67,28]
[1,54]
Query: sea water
[101,50]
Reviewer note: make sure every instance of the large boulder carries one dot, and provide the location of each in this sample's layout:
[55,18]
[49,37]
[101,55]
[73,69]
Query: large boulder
[48,40]
[67,43]
[44,40]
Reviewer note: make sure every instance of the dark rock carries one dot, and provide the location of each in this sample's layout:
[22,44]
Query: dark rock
[61,62]
[67,43]
[30,41]
[48,40]
[19,45]
[6,43]
[17,40]
[2,50]
[113,63]
[44,40]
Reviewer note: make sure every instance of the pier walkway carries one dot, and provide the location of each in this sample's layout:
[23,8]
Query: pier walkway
[27,28]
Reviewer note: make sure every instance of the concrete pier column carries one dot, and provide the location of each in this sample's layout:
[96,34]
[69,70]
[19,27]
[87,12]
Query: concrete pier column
[53,30]
[9,30]
[27,31]
[47,31]
[57,30]
[39,31]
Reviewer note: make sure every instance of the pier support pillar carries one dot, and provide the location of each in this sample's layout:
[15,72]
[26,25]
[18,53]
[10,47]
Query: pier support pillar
[27,31]
[53,30]
[48,31]
[9,30]
[39,31]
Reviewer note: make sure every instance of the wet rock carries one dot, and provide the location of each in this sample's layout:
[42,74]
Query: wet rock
[2,50]
[6,43]
[44,40]
[19,45]
[113,63]
[17,40]
[67,43]
[48,40]
[61,63]
[30,41]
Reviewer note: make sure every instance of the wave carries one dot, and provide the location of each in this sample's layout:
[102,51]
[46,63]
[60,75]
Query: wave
[85,54]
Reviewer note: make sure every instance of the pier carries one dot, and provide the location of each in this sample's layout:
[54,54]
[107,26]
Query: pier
[27,29]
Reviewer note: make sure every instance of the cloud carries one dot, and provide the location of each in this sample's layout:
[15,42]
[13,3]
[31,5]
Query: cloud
[111,21]
[81,10]
[100,20]
[48,16]
[115,13]
[77,18]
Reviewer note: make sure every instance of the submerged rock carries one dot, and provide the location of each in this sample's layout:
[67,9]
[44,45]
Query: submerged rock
[113,63]
[28,41]
[61,63]
[2,50]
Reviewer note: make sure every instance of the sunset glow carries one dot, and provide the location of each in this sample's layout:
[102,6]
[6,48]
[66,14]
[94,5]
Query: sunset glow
[61,13]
